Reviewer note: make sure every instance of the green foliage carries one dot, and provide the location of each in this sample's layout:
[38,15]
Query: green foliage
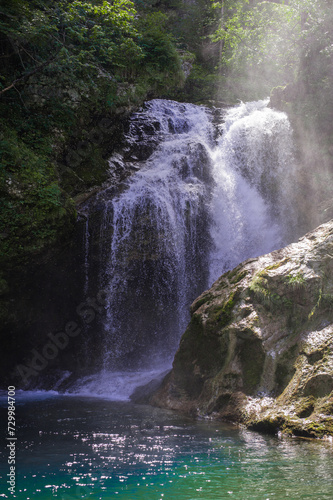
[265,294]
[269,43]
[88,42]
[33,208]
[156,44]
[200,86]
[258,40]
[296,281]
[101,34]
[64,65]
[277,264]
[316,63]
[259,287]
[195,20]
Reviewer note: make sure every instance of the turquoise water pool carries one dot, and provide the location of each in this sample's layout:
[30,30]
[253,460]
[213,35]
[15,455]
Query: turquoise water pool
[74,447]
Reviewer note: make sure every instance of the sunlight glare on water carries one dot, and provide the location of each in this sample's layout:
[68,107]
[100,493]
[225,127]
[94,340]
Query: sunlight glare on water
[72,447]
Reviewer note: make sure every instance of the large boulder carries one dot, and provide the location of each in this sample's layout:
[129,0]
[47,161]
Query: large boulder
[259,347]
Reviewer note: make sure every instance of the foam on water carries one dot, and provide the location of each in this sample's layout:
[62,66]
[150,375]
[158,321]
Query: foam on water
[115,386]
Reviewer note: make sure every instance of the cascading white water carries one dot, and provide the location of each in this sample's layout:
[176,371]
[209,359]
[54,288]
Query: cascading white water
[159,247]
[197,207]
[253,168]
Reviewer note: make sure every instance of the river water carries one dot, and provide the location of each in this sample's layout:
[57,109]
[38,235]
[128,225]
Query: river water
[71,447]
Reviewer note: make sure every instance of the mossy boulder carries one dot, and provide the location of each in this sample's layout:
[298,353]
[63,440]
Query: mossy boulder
[259,347]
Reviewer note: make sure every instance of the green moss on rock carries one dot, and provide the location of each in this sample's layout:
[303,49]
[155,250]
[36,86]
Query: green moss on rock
[206,299]
[238,277]
[221,316]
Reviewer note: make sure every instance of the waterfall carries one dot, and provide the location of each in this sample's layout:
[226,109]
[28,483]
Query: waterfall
[253,201]
[158,255]
[202,199]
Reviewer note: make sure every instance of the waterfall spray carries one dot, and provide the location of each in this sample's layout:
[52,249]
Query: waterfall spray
[254,174]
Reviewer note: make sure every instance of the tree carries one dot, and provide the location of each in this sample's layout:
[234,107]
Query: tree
[259,40]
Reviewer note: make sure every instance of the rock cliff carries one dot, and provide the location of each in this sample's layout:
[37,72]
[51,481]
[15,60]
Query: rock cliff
[258,349]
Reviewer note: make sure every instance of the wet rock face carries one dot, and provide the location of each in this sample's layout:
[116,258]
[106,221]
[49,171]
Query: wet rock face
[259,347]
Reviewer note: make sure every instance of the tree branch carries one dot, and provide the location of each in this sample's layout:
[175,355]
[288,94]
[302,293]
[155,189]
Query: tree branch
[25,77]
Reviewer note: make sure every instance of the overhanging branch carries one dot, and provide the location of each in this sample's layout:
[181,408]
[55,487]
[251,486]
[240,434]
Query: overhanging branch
[27,75]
